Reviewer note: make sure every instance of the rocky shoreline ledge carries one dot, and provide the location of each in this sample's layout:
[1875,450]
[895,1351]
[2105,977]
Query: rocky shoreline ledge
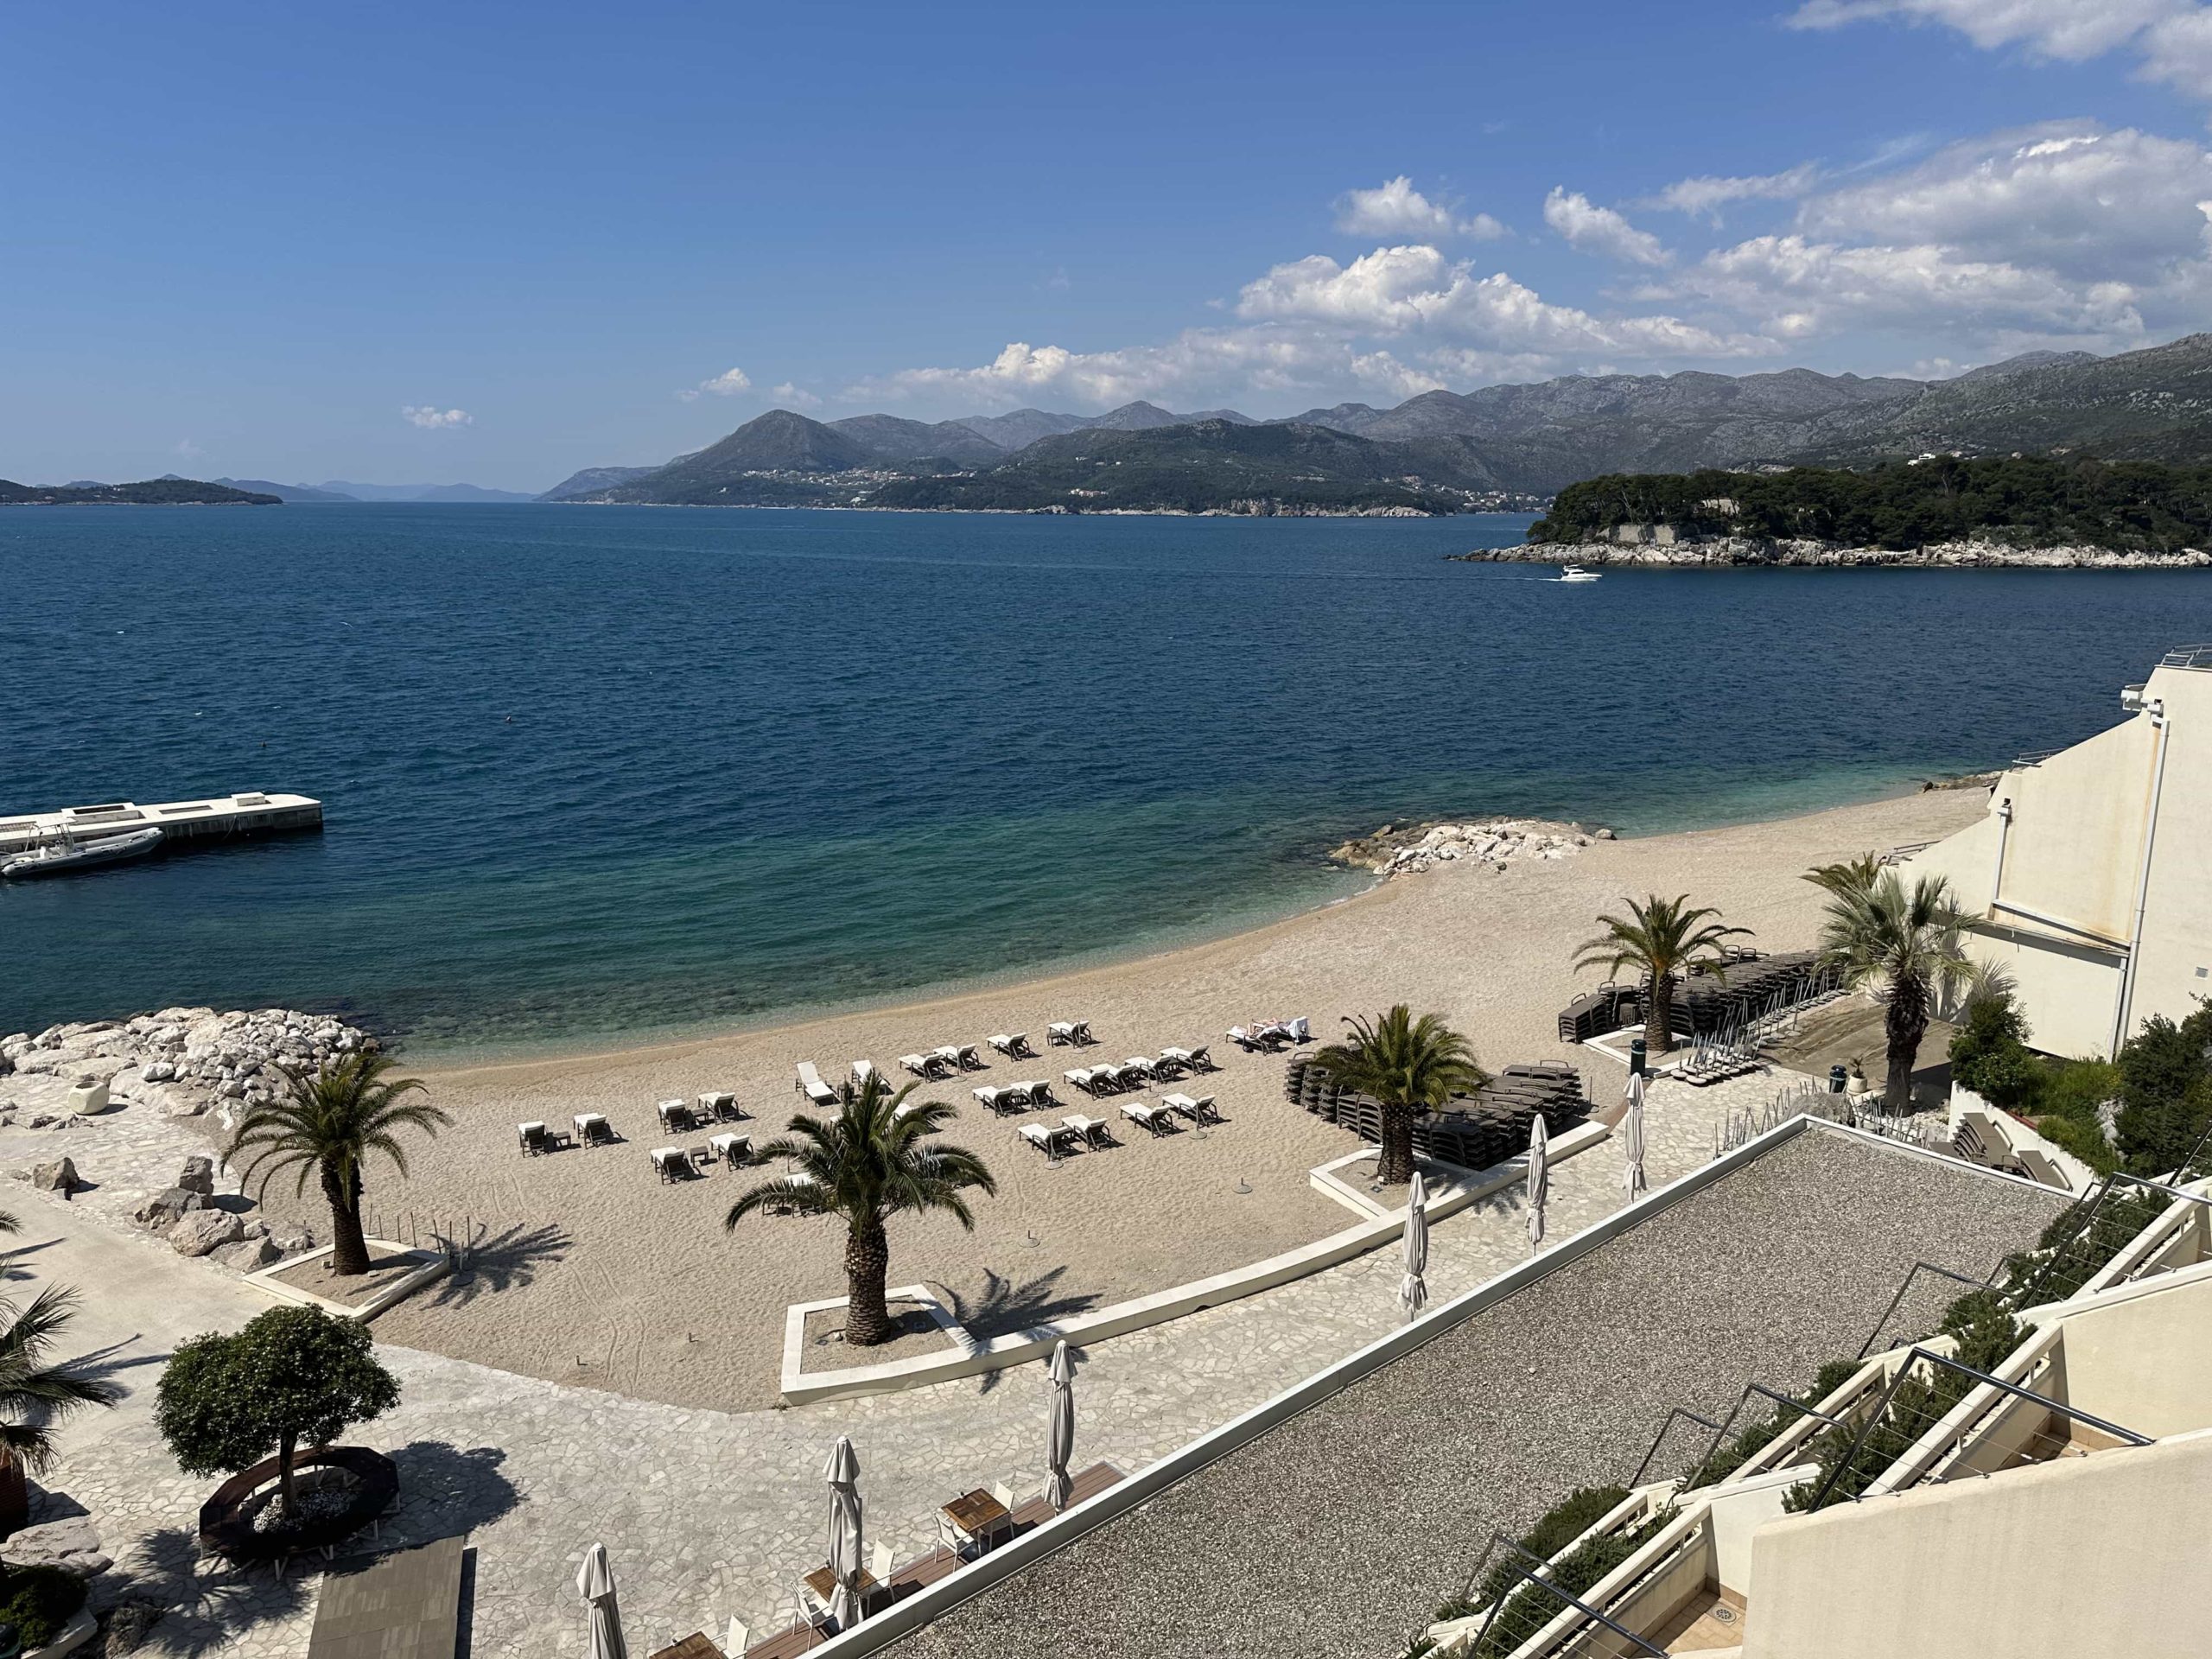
[1741,551]
[172,1066]
[1411,850]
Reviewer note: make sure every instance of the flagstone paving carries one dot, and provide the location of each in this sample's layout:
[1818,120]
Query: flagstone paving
[706,1515]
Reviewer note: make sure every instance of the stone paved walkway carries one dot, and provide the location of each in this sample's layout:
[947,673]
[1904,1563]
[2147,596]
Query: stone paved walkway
[705,1514]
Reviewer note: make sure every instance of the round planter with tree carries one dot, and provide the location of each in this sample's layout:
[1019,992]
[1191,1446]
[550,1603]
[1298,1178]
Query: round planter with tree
[293,1378]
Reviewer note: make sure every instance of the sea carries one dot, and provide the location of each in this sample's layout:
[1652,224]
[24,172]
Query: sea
[601,775]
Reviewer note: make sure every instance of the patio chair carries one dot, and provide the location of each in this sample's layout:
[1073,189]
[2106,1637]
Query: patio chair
[533,1140]
[1298,1031]
[671,1163]
[1014,1044]
[1142,1063]
[1244,1040]
[968,1060]
[809,1084]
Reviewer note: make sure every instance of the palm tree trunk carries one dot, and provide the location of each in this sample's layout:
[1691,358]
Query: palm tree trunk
[1907,1023]
[1659,1018]
[15,1496]
[867,1266]
[349,1250]
[1397,1145]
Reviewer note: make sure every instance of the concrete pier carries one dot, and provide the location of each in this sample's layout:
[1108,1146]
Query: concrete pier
[248,814]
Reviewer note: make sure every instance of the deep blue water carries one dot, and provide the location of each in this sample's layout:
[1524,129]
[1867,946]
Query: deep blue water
[590,772]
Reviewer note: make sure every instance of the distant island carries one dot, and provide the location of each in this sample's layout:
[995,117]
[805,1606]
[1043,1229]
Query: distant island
[1942,510]
[152,492]
[1499,448]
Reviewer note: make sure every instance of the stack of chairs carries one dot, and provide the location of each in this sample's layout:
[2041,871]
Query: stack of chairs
[1709,1005]
[1607,1008]
[1476,1131]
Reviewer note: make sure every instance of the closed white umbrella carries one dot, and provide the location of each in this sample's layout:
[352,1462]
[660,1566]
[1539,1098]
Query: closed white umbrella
[595,1584]
[843,1475]
[1540,1178]
[1060,1434]
[1413,1289]
[1632,1139]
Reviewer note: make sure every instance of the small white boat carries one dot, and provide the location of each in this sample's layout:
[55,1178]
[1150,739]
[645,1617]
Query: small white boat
[62,853]
[1576,573]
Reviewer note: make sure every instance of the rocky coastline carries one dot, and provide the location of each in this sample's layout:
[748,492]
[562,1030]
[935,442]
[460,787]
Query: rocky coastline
[1739,552]
[1415,848]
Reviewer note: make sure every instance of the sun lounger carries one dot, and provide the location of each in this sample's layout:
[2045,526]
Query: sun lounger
[1092,1129]
[864,1072]
[1079,1033]
[1082,1077]
[1046,1138]
[1140,1064]
[1200,1060]
[1244,1040]
[1154,1118]
[674,1116]
[1014,1044]
[1200,1110]
[999,1100]
[1135,1075]
[720,1107]
[730,1148]
[1060,1033]
[1170,1061]
[1039,1093]
[591,1127]
[1298,1031]
[968,1060]
[809,1084]
[947,1056]
[672,1163]
[533,1138]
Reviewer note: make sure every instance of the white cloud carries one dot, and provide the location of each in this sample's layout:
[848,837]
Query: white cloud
[1600,231]
[2178,51]
[431,416]
[727,383]
[1396,209]
[188,449]
[1704,196]
[2072,29]
[793,396]
[2069,196]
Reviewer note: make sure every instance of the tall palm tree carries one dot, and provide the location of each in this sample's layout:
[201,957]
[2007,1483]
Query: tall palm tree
[1407,1067]
[870,1162]
[326,1126]
[1904,948]
[1660,937]
[34,1395]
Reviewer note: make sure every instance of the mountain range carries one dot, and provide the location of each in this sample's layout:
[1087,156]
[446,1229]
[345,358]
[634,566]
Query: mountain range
[340,490]
[1443,448]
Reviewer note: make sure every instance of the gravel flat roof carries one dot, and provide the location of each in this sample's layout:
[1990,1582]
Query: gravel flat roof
[1333,1534]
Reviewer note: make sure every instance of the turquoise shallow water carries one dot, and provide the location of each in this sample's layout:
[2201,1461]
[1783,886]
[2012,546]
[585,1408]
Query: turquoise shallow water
[598,772]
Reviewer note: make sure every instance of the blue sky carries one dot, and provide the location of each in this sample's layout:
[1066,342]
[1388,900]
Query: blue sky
[399,243]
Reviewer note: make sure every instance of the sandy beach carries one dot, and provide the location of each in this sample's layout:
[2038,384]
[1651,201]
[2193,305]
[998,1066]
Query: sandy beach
[596,1272]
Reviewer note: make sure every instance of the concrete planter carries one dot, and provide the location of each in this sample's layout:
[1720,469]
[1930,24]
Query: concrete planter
[74,1635]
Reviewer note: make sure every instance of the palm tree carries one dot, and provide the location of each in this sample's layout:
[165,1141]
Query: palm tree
[1407,1067]
[1851,876]
[1903,947]
[327,1125]
[1660,937]
[35,1396]
[870,1162]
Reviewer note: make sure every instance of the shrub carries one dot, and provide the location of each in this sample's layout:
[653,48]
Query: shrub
[1989,1054]
[1562,1523]
[2085,1138]
[1533,1605]
[2165,1091]
[39,1601]
[1721,1464]
[2077,1089]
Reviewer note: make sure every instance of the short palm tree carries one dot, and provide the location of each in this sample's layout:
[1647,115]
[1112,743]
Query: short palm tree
[1407,1067]
[1903,946]
[328,1125]
[1850,875]
[874,1159]
[1661,937]
[34,1395]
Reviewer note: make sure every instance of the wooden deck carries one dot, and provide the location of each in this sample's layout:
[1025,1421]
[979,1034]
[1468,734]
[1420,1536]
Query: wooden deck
[406,1604]
[917,1575]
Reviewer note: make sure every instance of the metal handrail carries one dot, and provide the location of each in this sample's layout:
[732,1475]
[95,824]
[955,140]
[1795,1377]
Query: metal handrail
[1679,1411]
[1898,1301]
[2187,656]
[1882,1407]
[1728,1422]
[1571,1599]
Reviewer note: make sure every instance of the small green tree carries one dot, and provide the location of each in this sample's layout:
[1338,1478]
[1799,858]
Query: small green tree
[1661,937]
[1902,944]
[1407,1067]
[2165,1091]
[1990,1055]
[293,1376]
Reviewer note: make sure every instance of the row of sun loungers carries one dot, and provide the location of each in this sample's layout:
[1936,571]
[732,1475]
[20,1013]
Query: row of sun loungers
[946,1061]
[1139,1069]
[937,1063]
[680,1163]
[1074,1130]
[1476,1132]
[1017,1097]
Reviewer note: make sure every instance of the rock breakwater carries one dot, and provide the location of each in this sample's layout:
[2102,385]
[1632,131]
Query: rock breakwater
[1742,552]
[1412,850]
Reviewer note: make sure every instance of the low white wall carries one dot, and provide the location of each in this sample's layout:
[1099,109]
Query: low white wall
[1737,1512]
[2103,1557]
[1019,1347]
[2146,1363]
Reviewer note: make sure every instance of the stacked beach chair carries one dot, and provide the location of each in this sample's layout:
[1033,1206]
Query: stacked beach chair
[1476,1131]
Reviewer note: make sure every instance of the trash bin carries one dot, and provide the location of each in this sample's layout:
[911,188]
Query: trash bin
[1837,1081]
[1635,1058]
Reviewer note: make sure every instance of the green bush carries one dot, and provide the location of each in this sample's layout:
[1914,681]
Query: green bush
[1533,1605]
[39,1601]
[1989,1054]
[2085,1138]
[1721,1464]
[2165,1092]
[2077,1088]
[1562,1523]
